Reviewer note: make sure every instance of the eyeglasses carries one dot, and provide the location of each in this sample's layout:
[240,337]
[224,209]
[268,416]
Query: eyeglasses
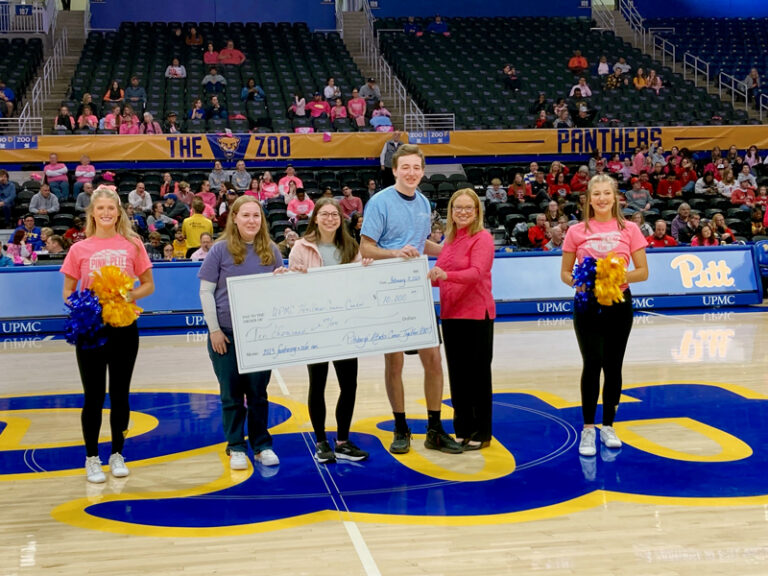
[329,215]
[465,209]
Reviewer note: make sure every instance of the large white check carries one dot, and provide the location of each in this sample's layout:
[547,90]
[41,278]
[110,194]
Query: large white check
[331,313]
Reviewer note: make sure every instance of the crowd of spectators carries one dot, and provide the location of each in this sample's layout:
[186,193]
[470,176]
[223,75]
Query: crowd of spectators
[670,195]
[576,109]
[175,221]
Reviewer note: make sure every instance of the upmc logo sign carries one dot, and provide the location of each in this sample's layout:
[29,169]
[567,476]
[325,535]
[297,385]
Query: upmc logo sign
[20,327]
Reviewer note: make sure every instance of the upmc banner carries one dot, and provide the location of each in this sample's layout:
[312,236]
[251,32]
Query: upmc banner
[270,147]
[523,283]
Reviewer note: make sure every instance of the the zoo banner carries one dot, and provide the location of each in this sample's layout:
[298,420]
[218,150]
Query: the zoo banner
[287,147]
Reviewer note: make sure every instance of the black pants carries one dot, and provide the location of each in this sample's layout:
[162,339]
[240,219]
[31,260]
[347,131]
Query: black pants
[602,333]
[117,356]
[346,372]
[468,353]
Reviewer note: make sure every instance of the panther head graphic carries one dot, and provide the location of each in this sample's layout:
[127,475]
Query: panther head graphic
[228,145]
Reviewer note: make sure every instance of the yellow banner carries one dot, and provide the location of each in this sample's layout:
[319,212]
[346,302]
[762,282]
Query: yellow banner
[287,147]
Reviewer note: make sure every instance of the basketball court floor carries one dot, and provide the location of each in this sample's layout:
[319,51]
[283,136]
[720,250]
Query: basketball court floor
[686,495]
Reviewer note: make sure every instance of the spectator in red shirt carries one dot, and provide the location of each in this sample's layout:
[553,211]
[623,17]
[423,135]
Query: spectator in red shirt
[577,64]
[743,197]
[645,183]
[660,238]
[669,187]
[538,235]
[580,180]
[231,55]
[350,204]
[687,175]
[558,188]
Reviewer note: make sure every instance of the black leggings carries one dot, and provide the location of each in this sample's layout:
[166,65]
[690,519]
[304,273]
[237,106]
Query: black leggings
[118,356]
[602,333]
[469,353]
[346,372]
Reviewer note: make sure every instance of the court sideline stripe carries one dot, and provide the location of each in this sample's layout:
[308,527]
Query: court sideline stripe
[281,382]
[366,559]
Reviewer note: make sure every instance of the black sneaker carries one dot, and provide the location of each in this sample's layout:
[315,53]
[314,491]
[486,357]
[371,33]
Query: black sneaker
[402,442]
[348,451]
[439,440]
[323,453]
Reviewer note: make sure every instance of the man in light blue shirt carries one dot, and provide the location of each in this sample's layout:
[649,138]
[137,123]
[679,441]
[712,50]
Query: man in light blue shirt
[397,223]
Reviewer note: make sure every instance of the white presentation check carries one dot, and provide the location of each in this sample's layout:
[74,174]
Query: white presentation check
[332,313]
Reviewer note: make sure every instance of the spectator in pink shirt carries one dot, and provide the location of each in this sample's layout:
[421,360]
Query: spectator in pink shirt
[85,172]
[290,176]
[112,120]
[87,120]
[56,176]
[205,194]
[338,110]
[356,107]
[231,55]
[300,207]
[210,56]
[269,188]
[129,122]
[350,204]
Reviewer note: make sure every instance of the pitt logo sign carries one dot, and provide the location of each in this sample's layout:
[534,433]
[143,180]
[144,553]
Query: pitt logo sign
[716,274]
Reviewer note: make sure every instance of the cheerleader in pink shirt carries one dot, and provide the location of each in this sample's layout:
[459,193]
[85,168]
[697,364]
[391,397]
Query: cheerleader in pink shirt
[603,331]
[109,241]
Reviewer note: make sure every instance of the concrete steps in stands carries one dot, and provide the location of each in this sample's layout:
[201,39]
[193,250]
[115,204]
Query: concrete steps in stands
[352,24]
[74,22]
[624,32]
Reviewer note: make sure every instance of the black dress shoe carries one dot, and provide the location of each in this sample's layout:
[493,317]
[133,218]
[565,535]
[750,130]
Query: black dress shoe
[469,444]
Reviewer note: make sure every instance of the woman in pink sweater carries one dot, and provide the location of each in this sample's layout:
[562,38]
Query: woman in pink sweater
[467,311]
[327,242]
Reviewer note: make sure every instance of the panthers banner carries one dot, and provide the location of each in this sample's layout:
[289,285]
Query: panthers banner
[335,146]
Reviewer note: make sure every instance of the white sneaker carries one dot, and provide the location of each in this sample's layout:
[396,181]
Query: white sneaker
[117,466]
[609,438]
[587,444]
[93,471]
[268,457]
[238,460]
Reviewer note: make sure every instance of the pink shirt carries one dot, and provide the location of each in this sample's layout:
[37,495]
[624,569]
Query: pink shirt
[209,198]
[269,190]
[55,172]
[85,172]
[356,106]
[466,293]
[603,238]
[231,56]
[86,257]
[297,206]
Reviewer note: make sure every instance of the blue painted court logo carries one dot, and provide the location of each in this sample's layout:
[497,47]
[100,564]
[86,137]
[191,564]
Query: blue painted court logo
[531,471]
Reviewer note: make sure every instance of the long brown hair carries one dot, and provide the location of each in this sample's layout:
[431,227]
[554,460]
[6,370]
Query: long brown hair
[616,212]
[345,243]
[476,226]
[262,243]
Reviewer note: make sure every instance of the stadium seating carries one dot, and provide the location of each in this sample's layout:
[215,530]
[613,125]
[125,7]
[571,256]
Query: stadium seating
[283,58]
[19,60]
[730,45]
[461,74]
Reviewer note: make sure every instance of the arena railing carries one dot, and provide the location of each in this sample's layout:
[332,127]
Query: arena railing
[725,82]
[695,67]
[423,122]
[43,86]
[736,87]
[763,105]
[662,49]
[603,17]
[29,18]
[388,82]
[25,124]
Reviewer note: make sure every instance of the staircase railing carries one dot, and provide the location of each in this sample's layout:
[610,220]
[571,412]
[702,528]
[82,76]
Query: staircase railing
[25,124]
[388,81]
[691,63]
[43,86]
[762,104]
[29,18]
